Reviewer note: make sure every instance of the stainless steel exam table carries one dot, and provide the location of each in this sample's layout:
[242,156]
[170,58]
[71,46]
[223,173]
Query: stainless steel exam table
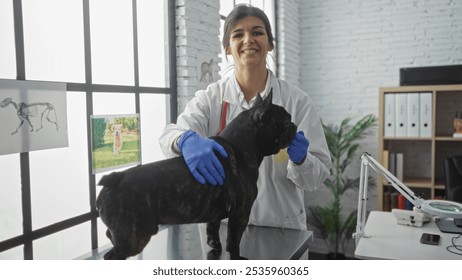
[188,242]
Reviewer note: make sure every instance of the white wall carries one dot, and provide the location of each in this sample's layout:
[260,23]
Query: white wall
[351,48]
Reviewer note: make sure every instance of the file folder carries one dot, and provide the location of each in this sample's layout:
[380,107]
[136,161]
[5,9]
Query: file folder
[392,163]
[400,166]
[401,114]
[389,115]
[425,114]
[413,115]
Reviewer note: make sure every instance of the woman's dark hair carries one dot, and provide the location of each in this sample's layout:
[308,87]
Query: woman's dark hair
[241,11]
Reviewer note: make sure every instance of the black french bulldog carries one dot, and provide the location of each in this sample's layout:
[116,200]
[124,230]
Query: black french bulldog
[134,202]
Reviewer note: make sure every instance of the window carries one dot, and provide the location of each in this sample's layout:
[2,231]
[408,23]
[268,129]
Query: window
[115,58]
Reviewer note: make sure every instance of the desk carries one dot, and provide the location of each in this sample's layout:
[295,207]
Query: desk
[388,240]
[188,242]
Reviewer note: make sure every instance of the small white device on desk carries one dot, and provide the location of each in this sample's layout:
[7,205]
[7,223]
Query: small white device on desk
[423,212]
[412,218]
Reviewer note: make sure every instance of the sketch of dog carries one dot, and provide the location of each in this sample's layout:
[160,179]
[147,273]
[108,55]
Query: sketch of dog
[116,130]
[207,71]
[32,110]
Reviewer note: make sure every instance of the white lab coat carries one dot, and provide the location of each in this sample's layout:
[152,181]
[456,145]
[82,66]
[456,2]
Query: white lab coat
[281,183]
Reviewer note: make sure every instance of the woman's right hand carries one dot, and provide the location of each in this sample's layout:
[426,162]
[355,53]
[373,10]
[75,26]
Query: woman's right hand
[199,155]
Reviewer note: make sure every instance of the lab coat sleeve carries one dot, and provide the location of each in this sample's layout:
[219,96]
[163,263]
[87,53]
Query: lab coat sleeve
[312,173]
[195,117]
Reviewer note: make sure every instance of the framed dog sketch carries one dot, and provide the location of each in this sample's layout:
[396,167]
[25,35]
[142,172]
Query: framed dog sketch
[205,71]
[33,116]
[115,142]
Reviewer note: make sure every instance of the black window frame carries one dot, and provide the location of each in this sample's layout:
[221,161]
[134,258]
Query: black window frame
[29,235]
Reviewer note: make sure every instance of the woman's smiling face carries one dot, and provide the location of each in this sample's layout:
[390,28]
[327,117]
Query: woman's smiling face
[249,43]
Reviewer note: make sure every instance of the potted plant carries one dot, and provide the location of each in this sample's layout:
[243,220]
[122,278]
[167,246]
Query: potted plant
[336,228]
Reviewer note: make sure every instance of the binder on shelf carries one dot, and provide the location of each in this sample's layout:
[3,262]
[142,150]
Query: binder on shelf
[386,201]
[394,200]
[389,115]
[409,205]
[392,163]
[385,156]
[401,115]
[413,115]
[400,166]
[401,201]
[425,114]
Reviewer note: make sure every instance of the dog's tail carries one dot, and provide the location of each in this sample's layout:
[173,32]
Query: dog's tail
[111,180]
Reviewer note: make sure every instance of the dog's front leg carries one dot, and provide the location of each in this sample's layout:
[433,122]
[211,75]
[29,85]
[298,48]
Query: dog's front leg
[213,236]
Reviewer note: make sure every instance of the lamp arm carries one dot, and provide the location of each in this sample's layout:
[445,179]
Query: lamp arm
[395,182]
[366,162]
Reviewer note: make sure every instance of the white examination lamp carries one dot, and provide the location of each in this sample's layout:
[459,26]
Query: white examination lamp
[441,208]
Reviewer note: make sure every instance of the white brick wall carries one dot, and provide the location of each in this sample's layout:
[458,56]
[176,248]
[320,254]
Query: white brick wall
[198,28]
[344,50]
[350,48]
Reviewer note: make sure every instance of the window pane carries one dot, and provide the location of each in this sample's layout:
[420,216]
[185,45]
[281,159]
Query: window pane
[53,40]
[64,245]
[225,7]
[258,3]
[102,238]
[153,120]
[7,47]
[269,11]
[152,43]
[59,177]
[112,42]
[110,103]
[242,2]
[10,197]
[226,64]
[17,253]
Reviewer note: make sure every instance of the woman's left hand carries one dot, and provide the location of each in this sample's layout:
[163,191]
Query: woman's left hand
[298,148]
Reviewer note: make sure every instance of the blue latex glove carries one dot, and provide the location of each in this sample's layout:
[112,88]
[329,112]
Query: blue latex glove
[198,153]
[298,148]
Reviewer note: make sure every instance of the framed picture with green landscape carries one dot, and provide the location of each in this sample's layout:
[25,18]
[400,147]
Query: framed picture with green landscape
[115,142]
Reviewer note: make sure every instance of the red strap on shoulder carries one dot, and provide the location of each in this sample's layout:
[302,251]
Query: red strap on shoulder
[224,110]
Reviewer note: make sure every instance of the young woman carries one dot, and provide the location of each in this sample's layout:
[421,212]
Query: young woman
[282,177]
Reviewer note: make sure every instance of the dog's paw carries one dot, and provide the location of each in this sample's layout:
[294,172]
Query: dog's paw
[214,254]
[112,255]
[214,244]
[236,257]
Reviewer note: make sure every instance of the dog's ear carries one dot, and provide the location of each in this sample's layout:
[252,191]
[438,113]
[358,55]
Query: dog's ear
[268,100]
[258,99]
[262,106]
